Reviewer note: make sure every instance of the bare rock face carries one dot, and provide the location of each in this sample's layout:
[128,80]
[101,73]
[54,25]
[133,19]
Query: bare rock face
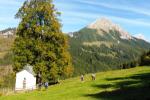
[107,25]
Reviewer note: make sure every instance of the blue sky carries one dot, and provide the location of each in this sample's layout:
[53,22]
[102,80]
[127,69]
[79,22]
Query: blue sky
[132,15]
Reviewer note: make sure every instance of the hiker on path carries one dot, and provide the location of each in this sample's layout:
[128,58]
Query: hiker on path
[46,85]
[82,78]
[93,76]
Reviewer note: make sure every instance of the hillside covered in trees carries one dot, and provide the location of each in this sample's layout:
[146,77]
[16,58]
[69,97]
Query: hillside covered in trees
[105,54]
[104,46]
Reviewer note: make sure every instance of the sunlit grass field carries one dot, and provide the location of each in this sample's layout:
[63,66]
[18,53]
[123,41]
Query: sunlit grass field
[128,84]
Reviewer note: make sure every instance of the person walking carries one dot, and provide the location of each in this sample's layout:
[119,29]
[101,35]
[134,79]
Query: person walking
[46,85]
[93,76]
[82,78]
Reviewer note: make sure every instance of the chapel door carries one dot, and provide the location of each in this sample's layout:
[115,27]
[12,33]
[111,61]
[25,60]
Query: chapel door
[24,83]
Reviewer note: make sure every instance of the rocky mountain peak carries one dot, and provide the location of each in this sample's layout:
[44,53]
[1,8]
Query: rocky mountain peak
[102,23]
[107,25]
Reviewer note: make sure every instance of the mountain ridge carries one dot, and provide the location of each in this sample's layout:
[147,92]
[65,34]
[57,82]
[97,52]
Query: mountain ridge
[107,25]
[95,50]
[104,47]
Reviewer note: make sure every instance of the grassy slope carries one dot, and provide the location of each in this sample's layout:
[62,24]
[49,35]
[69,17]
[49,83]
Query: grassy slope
[5,50]
[6,44]
[129,84]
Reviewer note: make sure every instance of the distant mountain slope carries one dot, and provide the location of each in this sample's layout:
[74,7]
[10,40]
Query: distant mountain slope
[104,45]
[7,37]
[100,46]
[9,32]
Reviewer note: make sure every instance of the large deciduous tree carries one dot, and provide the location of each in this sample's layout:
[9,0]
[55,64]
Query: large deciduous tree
[40,41]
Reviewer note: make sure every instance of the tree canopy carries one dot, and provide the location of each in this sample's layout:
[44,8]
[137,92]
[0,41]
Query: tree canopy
[145,59]
[40,41]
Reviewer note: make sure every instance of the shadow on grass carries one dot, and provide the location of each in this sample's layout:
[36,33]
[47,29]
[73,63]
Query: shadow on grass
[136,87]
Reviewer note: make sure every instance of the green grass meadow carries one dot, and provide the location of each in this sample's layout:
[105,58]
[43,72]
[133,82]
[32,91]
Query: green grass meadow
[128,84]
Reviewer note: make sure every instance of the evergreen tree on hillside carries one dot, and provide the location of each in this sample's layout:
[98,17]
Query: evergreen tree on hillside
[145,59]
[40,41]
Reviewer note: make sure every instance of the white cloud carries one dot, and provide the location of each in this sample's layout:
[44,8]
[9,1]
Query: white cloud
[6,19]
[141,36]
[11,2]
[119,7]
[89,15]
[135,22]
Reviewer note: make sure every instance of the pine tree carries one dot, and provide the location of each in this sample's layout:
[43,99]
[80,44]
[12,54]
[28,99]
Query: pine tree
[40,41]
[145,59]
